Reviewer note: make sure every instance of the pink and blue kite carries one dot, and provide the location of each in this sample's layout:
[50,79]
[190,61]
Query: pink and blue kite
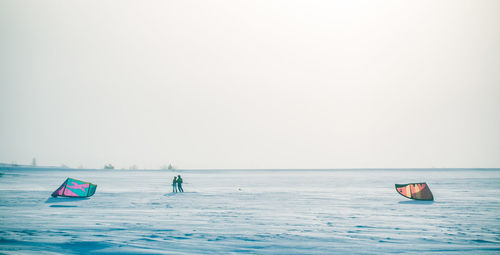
[75,188]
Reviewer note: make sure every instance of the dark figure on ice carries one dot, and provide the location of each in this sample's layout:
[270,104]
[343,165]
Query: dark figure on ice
[174,184]
[179,183]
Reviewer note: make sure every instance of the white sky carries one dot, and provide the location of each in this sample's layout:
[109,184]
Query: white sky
[250,84]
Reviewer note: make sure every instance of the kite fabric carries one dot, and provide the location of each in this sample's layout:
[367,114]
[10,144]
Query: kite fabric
[75,188]
[417,191]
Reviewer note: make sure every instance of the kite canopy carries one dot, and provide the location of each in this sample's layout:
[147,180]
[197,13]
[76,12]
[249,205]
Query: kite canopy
[75,188]
[417,191]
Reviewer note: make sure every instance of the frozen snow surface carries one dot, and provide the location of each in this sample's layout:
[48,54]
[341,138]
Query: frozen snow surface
[251,211]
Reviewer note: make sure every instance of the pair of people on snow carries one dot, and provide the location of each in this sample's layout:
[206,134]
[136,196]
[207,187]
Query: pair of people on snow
[177,184]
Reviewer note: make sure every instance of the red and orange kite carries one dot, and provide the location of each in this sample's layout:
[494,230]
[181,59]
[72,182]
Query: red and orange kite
[417,191]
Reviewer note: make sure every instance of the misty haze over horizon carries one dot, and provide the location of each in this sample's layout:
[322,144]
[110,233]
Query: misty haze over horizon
[250,84]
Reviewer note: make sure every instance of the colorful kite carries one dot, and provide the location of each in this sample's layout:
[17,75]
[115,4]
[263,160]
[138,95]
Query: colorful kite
[417,191]
[75,188]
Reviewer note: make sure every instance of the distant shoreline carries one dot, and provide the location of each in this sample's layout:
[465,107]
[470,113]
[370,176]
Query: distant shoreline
[26,167]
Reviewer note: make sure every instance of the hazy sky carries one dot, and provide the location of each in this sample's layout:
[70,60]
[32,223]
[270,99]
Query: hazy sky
[250,84]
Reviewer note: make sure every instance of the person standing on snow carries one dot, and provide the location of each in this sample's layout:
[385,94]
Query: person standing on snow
[179,183]
[174,184]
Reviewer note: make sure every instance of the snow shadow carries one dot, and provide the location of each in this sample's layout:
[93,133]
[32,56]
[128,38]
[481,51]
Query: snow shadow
[417,202]
[51,200]
[178,193]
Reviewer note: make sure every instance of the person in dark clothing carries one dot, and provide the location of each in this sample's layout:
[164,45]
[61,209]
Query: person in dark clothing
[174,184]
[179,183]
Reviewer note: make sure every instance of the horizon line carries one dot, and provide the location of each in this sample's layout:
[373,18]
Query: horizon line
[18,166]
